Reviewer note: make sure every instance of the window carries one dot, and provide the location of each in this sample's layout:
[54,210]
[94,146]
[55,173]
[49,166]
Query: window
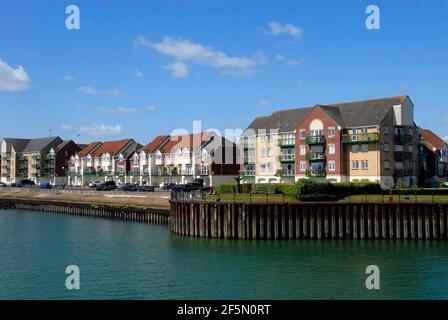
[302,165]
[411,132]
[386,147]
[263,152]
[270,152]
[270,137]
[332,165]
[263,167]
[302,134]
[364,164]
[302,150]
[262,139]
[364,148]
[331,149]
[386,164]
[270,167]
[386,130]
[355,148]
[411,148]
[331,132]
[355,164]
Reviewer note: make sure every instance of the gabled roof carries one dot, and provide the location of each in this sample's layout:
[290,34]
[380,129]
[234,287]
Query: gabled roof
[89,148]
[129,151]
[431,139]
[111,147]
[17,144]
[155,144]
[189,142]
[348,114]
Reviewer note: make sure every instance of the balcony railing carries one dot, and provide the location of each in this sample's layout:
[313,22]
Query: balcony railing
[286,143]
[248,145]
[247,173]
[72,174]
[119,173]
[249,161]
[361,138]
[403,172]
[287,158]
[186,172]
[315,156]
[315,140]
[403,138]
[203,172]
[133,173]
[316,173]
[403,156]
[90,173]
[286,173]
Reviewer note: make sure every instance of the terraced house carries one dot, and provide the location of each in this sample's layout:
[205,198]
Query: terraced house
[369,140]
[41,160]
[102,161]
[434,158]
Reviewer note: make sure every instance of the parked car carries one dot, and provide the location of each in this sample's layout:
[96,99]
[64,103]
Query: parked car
[168,186]
[46,185]
[93,184]
[2,184]
[145,189]
[25,183]
[106,186]
[446,184]
[129,187]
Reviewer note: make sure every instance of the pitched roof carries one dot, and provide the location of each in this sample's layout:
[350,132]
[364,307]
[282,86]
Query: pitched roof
[42,144]
[348,114]
[18,144]
[89,148]
[111,147]
[189,141]
[155,144]
[431,139]
[62,145]
[131,149]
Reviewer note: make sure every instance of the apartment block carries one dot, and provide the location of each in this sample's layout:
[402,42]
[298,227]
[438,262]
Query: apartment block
[434,158]
[41,160]
[370,140]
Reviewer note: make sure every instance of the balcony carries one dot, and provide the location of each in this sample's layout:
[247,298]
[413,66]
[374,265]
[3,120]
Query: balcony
[287,158]
[286,143]
[286,173]
[247,173]
[403,138]
[401,156]
[203,172]
[249,161]
[360,138]
[186,172]
[248,145]
[119,173]
[315,140]
[134,173]
[72,174]
[316,173]
[315,156]
[90,173]
[403,173]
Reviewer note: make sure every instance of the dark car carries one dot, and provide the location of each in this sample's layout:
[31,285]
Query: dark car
[106,186]
[45,185]
[145,189]
[169,186]
[183,187]
[129,187]
[25,183]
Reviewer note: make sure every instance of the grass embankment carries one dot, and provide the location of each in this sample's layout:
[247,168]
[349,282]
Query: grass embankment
[134,200]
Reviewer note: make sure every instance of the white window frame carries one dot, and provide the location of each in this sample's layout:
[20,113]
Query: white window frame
[331,165]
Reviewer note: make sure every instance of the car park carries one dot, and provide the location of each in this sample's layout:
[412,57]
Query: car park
[106,186]
[145,189]
[129,187]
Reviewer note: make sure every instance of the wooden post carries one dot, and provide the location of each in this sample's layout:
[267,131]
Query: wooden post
[420,223]
[435,223]
[276,217]
[268,223]
[355,222]
[333,222]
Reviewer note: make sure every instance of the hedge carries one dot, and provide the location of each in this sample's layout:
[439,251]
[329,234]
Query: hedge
[226,188]
[264,188]
[288,189]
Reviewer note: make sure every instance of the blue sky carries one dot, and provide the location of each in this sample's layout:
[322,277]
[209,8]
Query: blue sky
[142,68]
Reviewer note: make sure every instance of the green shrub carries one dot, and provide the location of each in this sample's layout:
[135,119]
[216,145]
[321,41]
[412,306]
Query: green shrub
[246,188]
[288,189]
[317,197]
[264,188]
[226,188]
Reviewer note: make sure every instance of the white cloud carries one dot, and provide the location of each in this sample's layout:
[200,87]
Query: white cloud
[87,90]
[178,69]
[69,77]
[288,61]
[138,74]
[122,109]
[65,126]
[101,130]
[263,103]
[150,107]
[184,51]
[115,92]
[277,28]
[444,120]
[13,79]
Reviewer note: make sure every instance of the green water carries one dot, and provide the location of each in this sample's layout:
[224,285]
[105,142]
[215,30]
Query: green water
[124,260]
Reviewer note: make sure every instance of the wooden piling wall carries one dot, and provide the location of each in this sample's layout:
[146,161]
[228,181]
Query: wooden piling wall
[323,220]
